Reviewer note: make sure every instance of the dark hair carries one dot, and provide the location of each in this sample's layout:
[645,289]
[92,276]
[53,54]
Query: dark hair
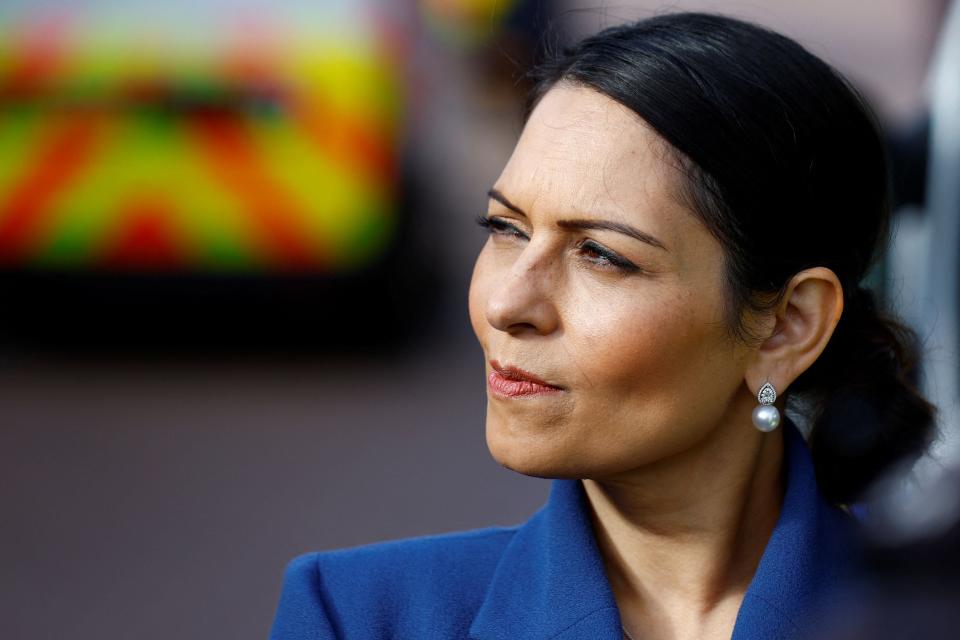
[784,164]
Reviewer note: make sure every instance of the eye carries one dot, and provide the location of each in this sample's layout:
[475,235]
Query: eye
[599,255]
[496,226]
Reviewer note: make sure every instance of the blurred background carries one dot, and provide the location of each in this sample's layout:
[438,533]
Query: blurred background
[235,243]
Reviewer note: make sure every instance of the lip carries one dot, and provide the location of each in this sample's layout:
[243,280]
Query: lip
[506,380]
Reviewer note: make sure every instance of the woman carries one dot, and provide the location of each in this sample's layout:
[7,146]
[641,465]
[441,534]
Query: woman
[677,245]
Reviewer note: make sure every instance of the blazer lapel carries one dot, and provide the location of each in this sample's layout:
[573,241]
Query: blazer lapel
[550,582]
[808,556]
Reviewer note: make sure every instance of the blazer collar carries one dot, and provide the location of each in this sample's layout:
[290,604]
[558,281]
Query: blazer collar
[550,581]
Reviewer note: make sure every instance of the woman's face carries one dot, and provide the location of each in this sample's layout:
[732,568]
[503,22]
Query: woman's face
[596,280]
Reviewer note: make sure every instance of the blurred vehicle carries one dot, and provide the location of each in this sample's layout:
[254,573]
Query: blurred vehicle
[204,174]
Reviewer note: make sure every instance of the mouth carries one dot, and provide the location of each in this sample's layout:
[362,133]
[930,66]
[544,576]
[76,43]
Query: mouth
[509,381]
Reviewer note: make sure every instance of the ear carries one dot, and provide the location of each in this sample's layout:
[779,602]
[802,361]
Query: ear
[802,326]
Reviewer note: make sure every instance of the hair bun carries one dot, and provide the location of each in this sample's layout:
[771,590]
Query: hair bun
[871,414]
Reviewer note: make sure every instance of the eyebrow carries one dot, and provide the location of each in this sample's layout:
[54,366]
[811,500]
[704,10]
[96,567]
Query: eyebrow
[502,199]
[608,225]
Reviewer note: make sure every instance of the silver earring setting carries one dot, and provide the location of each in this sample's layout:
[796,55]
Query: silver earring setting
[766,417]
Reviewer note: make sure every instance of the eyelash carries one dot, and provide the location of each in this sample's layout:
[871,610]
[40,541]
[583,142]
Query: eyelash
[499,227]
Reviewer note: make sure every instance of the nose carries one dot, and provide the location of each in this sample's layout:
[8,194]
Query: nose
[523,300]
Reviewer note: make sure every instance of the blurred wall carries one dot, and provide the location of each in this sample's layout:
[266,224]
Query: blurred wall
[883,46]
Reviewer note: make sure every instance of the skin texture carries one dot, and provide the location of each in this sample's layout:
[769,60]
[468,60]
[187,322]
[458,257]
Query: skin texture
[654,410]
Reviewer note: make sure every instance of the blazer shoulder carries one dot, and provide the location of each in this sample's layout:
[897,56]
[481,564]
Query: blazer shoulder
[389,586]
[303,610]
[408,562]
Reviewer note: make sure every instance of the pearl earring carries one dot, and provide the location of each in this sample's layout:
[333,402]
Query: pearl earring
[766,417]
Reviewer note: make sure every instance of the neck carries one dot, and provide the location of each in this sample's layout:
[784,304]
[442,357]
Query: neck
[681,539]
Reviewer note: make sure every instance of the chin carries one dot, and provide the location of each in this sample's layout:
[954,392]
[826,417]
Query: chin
[538,457]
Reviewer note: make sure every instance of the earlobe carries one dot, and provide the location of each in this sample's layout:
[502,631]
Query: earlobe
[804,323]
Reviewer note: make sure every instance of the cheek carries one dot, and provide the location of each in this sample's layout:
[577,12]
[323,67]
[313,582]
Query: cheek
[628,343]
[664,375]
[650,357]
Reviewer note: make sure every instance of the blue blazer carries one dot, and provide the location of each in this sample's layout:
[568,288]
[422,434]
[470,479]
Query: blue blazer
[545,579]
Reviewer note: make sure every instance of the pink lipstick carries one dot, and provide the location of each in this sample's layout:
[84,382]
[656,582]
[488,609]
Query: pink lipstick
[513,382]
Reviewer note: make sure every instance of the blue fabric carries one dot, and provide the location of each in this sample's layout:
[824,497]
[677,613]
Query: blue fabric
[545,579]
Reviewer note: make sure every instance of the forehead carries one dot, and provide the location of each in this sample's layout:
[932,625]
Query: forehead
[586,151]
